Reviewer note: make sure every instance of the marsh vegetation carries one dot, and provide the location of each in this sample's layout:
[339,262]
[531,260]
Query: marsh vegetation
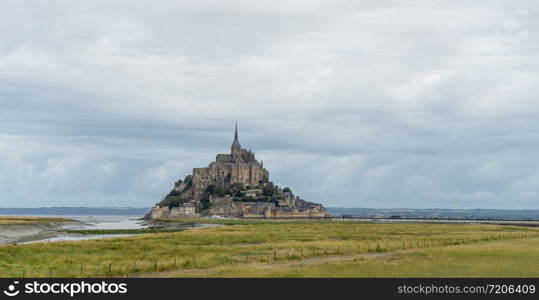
[289,248]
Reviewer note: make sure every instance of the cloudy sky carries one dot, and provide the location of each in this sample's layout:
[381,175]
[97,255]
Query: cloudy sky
[420,104]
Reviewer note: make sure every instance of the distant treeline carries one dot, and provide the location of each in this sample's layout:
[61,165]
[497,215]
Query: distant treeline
[491,214]
[485,214]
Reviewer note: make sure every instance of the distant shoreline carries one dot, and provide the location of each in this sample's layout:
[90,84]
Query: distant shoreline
[439,220]
[509,215]
[76,211]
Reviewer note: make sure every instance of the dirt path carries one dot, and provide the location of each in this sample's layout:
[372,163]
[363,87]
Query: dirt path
[265,266]
[258,265]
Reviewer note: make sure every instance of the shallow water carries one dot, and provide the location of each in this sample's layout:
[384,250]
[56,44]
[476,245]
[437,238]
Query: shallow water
[67,238]
[106,222]
[30,234]
[91,223]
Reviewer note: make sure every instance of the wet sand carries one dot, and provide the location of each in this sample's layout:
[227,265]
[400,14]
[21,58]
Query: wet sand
[58,231]
[20,233]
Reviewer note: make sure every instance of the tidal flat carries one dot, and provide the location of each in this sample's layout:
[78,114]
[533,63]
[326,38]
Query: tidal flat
[27,230]
[289,248]
[15,229]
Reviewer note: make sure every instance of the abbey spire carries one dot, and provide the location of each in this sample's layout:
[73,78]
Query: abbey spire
[236,143]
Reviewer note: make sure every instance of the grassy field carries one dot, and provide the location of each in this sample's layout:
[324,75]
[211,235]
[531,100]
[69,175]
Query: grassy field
[284,248]
[29,220]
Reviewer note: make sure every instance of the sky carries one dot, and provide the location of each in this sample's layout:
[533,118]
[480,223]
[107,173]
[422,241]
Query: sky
[381,104]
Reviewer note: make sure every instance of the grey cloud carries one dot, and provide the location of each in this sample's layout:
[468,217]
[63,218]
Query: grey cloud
[369,104]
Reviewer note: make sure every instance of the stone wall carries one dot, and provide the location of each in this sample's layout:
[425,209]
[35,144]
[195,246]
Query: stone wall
[159,212]
[187,210]
[218,172]
[225,206]
[285,215]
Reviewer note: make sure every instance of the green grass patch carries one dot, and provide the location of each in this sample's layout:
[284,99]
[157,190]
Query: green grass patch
[31,220]
[122,231]
[289,248]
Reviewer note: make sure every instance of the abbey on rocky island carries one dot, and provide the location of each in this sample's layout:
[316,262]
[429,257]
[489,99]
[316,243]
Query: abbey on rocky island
[234,185]
[240,166]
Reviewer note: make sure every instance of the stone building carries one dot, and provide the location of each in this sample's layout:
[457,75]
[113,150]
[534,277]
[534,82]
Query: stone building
[234,185]
[240,166]
[187,210]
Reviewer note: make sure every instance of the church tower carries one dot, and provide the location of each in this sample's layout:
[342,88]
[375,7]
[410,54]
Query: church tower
[236,147]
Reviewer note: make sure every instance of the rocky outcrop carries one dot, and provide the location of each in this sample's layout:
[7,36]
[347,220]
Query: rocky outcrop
[228,207]
[186,210]
[234,185]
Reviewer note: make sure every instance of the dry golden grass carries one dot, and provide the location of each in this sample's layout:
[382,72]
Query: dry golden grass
[290,248]
[29,220]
